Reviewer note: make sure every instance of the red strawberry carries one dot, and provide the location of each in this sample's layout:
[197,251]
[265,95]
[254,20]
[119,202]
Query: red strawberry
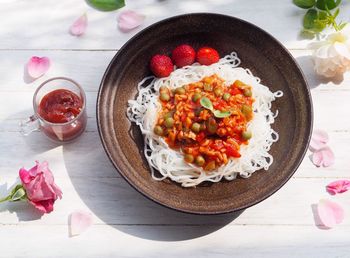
[161,65]
[183,55]
[207,56]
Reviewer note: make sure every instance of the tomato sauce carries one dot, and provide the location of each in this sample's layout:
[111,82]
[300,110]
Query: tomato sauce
[60,106]
[62,109]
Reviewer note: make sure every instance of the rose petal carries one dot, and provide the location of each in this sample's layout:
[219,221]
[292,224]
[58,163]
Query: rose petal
[79,221]
[330,213]
[79,26]
[24,175]
[319,140]
[38,66]
[129,20]
[45,206]
[323,157]
[339,186]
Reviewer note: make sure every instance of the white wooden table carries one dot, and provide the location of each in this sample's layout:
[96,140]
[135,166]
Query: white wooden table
[126,224]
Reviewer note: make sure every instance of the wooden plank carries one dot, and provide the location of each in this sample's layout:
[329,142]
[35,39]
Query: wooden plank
[50,29]
[167,241]
[113,201]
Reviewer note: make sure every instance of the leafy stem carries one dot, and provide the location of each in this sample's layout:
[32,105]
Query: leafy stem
[319,15]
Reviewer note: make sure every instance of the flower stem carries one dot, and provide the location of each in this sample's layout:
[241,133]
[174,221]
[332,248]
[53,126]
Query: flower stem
[5,199]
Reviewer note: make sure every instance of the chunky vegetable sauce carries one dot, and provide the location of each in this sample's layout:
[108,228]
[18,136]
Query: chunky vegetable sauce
[206,120]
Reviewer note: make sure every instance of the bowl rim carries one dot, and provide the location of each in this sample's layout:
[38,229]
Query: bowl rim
[300,155]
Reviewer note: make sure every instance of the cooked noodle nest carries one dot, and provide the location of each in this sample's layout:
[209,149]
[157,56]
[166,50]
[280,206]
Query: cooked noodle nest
[165,162]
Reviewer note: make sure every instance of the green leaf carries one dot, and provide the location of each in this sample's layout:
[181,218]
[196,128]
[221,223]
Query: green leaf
[221,114]
[206,103]
[309,19]
[342,25]
[106,5]
[18,195]
[305,4]
[322,15]
[327,4]
[336,13]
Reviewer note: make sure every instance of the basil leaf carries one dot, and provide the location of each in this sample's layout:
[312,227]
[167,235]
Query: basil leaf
[309,19]
[327,4]
[221,114]
[305,4]
[106,5]
[206,103]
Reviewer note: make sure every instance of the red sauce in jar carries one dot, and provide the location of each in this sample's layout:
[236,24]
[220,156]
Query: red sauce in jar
[60,106]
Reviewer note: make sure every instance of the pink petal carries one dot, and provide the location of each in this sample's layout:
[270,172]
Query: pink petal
[38,66]
[330,213]
[79,26]
[339,186]
[129,20]
[24,175]
[323,157]
[79,221]
[319,140]
[45,206]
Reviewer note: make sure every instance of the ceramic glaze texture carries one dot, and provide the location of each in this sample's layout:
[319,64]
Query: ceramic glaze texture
[259,52]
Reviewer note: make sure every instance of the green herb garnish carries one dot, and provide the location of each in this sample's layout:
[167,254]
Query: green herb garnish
[319,15]
[206,103]
[106,5]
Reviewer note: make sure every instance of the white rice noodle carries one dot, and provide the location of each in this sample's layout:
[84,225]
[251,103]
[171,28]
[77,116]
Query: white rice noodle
[170,163]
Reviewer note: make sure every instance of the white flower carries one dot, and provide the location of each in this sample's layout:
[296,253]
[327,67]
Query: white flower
[332,55]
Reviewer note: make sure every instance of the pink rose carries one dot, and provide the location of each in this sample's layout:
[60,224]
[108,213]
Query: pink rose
[40,187]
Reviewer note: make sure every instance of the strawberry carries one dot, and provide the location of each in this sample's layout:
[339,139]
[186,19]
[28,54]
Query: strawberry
[207,56]
[161,65]
[183,55]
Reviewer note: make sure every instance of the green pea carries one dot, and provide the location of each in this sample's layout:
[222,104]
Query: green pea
[158,130]
[247,92]
[169,114]
[169,122]
[246,110]
[196,127]
[226,96]
[246,135]
[164,97]
[163,88]
[200,160]
[218,92]
[189,158]
[208,87]
[180,91]
[198,111]
[196,97]
[212,126]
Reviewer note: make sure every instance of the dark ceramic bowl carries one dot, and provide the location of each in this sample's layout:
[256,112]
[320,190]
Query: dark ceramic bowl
[259,52]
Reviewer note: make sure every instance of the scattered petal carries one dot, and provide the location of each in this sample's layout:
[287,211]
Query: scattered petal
[339,186]
[79,26]
[38,66]
[129,20]
[330,213]
[79,221]
[323,157]
[319,140]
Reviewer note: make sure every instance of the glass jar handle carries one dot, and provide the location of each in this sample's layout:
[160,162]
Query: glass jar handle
[29,125]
